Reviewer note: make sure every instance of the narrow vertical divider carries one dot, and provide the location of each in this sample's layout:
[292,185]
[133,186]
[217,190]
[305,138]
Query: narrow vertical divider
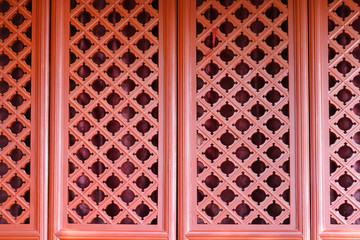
[59,110]
[186,117]
[318,113]
[42,106]
[170,67]
[302,111]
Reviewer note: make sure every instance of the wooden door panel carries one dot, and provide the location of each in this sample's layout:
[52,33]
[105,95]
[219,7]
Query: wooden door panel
[242,120]
[335,84]
[113,93]
[24,119]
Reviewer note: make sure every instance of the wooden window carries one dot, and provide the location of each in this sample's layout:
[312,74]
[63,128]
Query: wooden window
[113,120]
[24,29]
[242,138]
[164,119]
[334,84]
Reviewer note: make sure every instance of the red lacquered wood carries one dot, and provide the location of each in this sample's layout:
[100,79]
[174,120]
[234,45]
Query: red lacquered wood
[28,22]
[168,41]
[299,180]
[164,210]
[186,113]
[302,113]
[319,114]
[58,114]
[335,201]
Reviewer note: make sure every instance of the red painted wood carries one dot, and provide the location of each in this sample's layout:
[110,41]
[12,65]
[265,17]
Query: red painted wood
[111,158]
[334,190]
[343,99]
[334,83]
[114,107]
[235,114]
[24,121]
[242,112]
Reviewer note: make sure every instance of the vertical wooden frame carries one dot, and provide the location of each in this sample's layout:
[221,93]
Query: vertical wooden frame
[42,106]
[38,226]
[319,114]
[58,115]
[186,96]
[320,125]
[59,229]
[302,113]
[187,136]
[169,33]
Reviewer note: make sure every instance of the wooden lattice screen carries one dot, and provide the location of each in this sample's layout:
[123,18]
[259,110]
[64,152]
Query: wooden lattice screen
[241,119]
[344,83]
[114,171]
[243,113]
[24,89]
[336,83]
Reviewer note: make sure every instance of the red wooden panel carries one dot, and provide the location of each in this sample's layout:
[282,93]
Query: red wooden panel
[23,123]
[110,175]
[241,141]
[343,114]
[335,154]
[113,107]
[243,114]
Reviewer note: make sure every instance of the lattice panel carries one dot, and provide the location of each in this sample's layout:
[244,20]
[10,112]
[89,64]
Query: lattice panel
[243,123]
[113,122]
[344,111]
[15,111]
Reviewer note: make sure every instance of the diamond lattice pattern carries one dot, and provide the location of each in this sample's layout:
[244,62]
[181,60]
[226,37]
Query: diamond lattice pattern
[243,152]
[344,111]
[15,111]
[113,112]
